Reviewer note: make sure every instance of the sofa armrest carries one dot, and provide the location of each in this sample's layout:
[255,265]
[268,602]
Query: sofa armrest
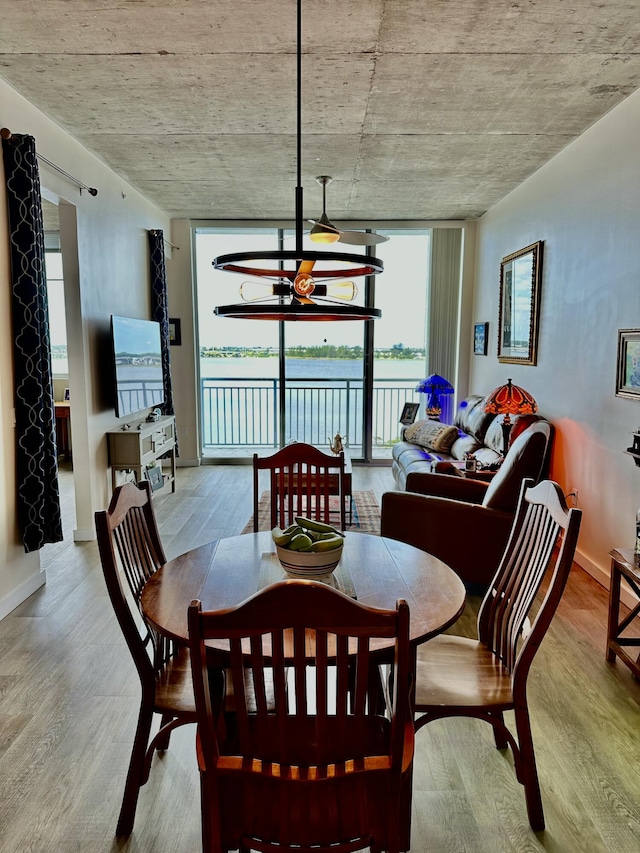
[446,486]
[469,538]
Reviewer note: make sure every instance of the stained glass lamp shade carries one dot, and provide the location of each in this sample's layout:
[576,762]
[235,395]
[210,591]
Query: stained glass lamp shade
[509,400]
[434,386]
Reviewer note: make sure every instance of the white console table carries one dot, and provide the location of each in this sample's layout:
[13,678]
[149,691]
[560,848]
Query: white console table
[139,445]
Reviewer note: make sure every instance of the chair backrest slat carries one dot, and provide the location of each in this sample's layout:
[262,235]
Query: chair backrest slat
[302,480]
[542,520]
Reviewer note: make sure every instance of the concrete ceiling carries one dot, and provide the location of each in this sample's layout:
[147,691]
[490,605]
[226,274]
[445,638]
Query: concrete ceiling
[419,109]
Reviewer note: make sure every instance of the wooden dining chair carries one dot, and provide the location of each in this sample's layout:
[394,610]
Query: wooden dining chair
[322,770]
[301,481]
[483,678]
[128,537]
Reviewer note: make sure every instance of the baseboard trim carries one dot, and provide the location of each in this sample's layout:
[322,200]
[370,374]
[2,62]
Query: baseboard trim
[84,534]
[603,576]
[21,593]
[187,463]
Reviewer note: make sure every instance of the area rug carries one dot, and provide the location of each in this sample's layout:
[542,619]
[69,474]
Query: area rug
[366,513]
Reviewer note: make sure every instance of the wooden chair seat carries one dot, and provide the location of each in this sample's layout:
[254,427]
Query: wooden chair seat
[456,672]
[174,685]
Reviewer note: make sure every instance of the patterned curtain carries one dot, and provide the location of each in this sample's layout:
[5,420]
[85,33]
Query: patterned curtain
[38,498]
[160,310]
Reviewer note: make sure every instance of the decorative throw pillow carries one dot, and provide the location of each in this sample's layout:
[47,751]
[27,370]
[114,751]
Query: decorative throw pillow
[432,434]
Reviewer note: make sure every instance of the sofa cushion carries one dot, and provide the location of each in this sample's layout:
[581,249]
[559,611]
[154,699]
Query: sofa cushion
[407,458]
[471,417]
[494,436]
[464,444]
[432,435]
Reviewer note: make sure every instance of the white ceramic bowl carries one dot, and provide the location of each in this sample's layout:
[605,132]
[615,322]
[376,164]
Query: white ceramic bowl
[309,563]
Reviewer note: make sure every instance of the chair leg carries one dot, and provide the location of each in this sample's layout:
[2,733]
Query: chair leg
[211,842]
[163,742]
[498,732]
[529,771]
[134,774]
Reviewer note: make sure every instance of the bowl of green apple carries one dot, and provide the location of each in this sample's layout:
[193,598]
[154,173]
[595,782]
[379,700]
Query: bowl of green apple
[308,548]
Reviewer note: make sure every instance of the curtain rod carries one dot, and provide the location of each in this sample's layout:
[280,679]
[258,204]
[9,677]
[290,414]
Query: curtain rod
[6,134]
[157,231]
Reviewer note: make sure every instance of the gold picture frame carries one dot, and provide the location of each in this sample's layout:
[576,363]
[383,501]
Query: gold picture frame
[518,319]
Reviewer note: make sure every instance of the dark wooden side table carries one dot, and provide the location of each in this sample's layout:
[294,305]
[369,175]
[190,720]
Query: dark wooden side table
[624,564]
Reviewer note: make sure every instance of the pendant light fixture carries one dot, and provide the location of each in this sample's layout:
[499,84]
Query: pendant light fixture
[293,280]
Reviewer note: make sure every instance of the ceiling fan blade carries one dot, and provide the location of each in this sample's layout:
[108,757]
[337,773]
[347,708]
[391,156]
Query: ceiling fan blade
[360,238]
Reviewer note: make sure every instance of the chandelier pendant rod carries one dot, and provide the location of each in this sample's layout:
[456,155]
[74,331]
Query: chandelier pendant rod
[299,197]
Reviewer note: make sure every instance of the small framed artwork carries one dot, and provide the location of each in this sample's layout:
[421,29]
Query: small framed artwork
[628,372]
[409,412]
[480,338]
[154,476]
[66,395]
[175,334]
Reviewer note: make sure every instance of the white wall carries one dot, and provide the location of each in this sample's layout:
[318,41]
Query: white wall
[585,205]
[106,266]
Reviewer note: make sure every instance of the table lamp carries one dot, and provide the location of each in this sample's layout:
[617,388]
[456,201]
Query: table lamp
[509,400]
[434,386]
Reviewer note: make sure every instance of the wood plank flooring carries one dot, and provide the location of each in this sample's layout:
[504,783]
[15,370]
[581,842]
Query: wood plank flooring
[69,698]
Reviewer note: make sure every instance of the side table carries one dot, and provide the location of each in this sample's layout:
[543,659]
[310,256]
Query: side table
[459,469]
[624,564]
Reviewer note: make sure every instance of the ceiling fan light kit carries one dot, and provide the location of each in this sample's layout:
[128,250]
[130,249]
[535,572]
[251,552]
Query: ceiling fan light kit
[324,231]
[296,279]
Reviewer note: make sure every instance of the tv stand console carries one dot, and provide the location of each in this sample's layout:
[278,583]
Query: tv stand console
[138,447]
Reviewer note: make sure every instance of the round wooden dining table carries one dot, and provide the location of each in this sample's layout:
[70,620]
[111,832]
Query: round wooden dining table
[374,570]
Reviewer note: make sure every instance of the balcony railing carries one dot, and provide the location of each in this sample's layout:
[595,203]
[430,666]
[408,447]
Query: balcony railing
[244,412]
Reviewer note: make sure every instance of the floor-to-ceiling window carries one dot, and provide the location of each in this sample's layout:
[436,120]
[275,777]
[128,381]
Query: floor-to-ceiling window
[263,384]
[239,359]
[400,335]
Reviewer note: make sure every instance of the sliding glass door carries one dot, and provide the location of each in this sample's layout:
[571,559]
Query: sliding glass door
[263,384]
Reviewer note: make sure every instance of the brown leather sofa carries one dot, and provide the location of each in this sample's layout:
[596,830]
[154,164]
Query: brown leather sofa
[462,521]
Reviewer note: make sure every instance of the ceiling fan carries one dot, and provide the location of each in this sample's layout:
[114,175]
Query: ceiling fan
[324,231]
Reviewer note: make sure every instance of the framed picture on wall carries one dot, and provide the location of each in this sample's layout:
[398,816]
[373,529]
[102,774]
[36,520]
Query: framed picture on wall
[480,338]
[628,372]
[520,277]
[175,334]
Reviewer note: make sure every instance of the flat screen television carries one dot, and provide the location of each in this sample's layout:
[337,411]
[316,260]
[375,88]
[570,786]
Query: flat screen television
[137,359]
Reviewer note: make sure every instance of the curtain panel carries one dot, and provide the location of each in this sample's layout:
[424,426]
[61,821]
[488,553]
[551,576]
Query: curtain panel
[160,311]
[38,499]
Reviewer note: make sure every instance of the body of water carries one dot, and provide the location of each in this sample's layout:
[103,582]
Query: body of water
[310,368]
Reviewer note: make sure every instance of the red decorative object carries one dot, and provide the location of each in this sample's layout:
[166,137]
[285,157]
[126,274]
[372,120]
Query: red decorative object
[509,400]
